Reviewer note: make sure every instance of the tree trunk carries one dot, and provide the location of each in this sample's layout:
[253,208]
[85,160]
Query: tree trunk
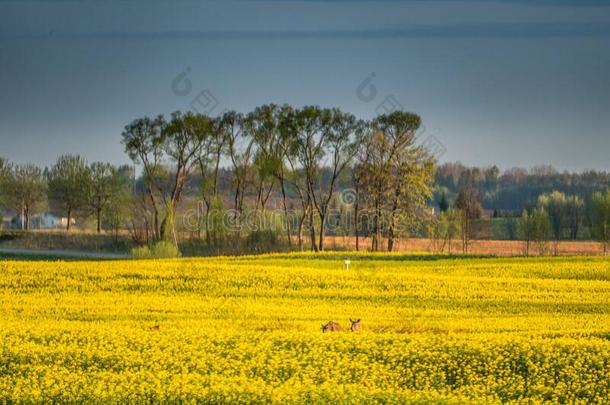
[301,224]
[312,230]
[99,220]
[259,196]
[27,217]
[465,232]
[165,229]
[322,225]
[288,229]
[391,232]
[207,224]
[157,229]
[356,206]
[376,229]
[238,206]
[391,238]
[69,220]
[392,219]
[162,230]
[156,233]
[147,229]
[266,198]
[199,220]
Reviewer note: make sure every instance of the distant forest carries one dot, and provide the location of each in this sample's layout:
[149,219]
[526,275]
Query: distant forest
[516,189]
[507,192]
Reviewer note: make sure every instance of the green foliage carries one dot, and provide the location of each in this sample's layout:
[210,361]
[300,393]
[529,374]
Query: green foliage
[525,231]
[69,181]
[517,188]
[541,229]
[164,250]
[574,213]
[179,142]
[564,212]
[262,241]
[4,172]
[395,174]
[25,190]
[443,204]
[309,153]
[216,229]
[141,252]
[510,227]
[534,227]
[452,224]
[158,250]
[117,210]
[600,207]
[5,169]
[442,230]
[468,199]
[101,189]
[555,205]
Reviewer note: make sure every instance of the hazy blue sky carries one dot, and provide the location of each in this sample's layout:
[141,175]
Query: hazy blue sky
[513,83]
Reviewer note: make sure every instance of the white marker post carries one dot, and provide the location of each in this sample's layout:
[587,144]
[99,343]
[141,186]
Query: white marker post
[347,262]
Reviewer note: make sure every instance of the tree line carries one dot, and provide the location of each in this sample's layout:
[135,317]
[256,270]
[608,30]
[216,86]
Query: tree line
[559,216]
[555,216]
[323,169]
[296,156]
[71,187]
[512,190]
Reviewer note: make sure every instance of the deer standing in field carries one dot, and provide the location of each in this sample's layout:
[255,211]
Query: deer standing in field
[331,327]
[356,325]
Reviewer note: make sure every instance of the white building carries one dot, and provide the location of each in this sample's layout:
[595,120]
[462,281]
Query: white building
[44,220]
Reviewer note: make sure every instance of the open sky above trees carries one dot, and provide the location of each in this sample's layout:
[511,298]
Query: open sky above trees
[511,83]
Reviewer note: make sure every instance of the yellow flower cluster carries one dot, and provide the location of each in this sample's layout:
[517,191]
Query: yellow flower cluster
[247,329]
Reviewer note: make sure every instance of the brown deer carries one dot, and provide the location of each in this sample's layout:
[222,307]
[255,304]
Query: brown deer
[356,325]
[331,327]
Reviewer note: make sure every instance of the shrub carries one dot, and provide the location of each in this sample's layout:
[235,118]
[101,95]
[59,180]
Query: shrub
[165,250]
[159,250]
[141,252]
[262,242]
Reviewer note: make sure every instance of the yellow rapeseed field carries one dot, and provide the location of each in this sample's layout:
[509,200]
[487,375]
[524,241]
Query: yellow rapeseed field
[248,329]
